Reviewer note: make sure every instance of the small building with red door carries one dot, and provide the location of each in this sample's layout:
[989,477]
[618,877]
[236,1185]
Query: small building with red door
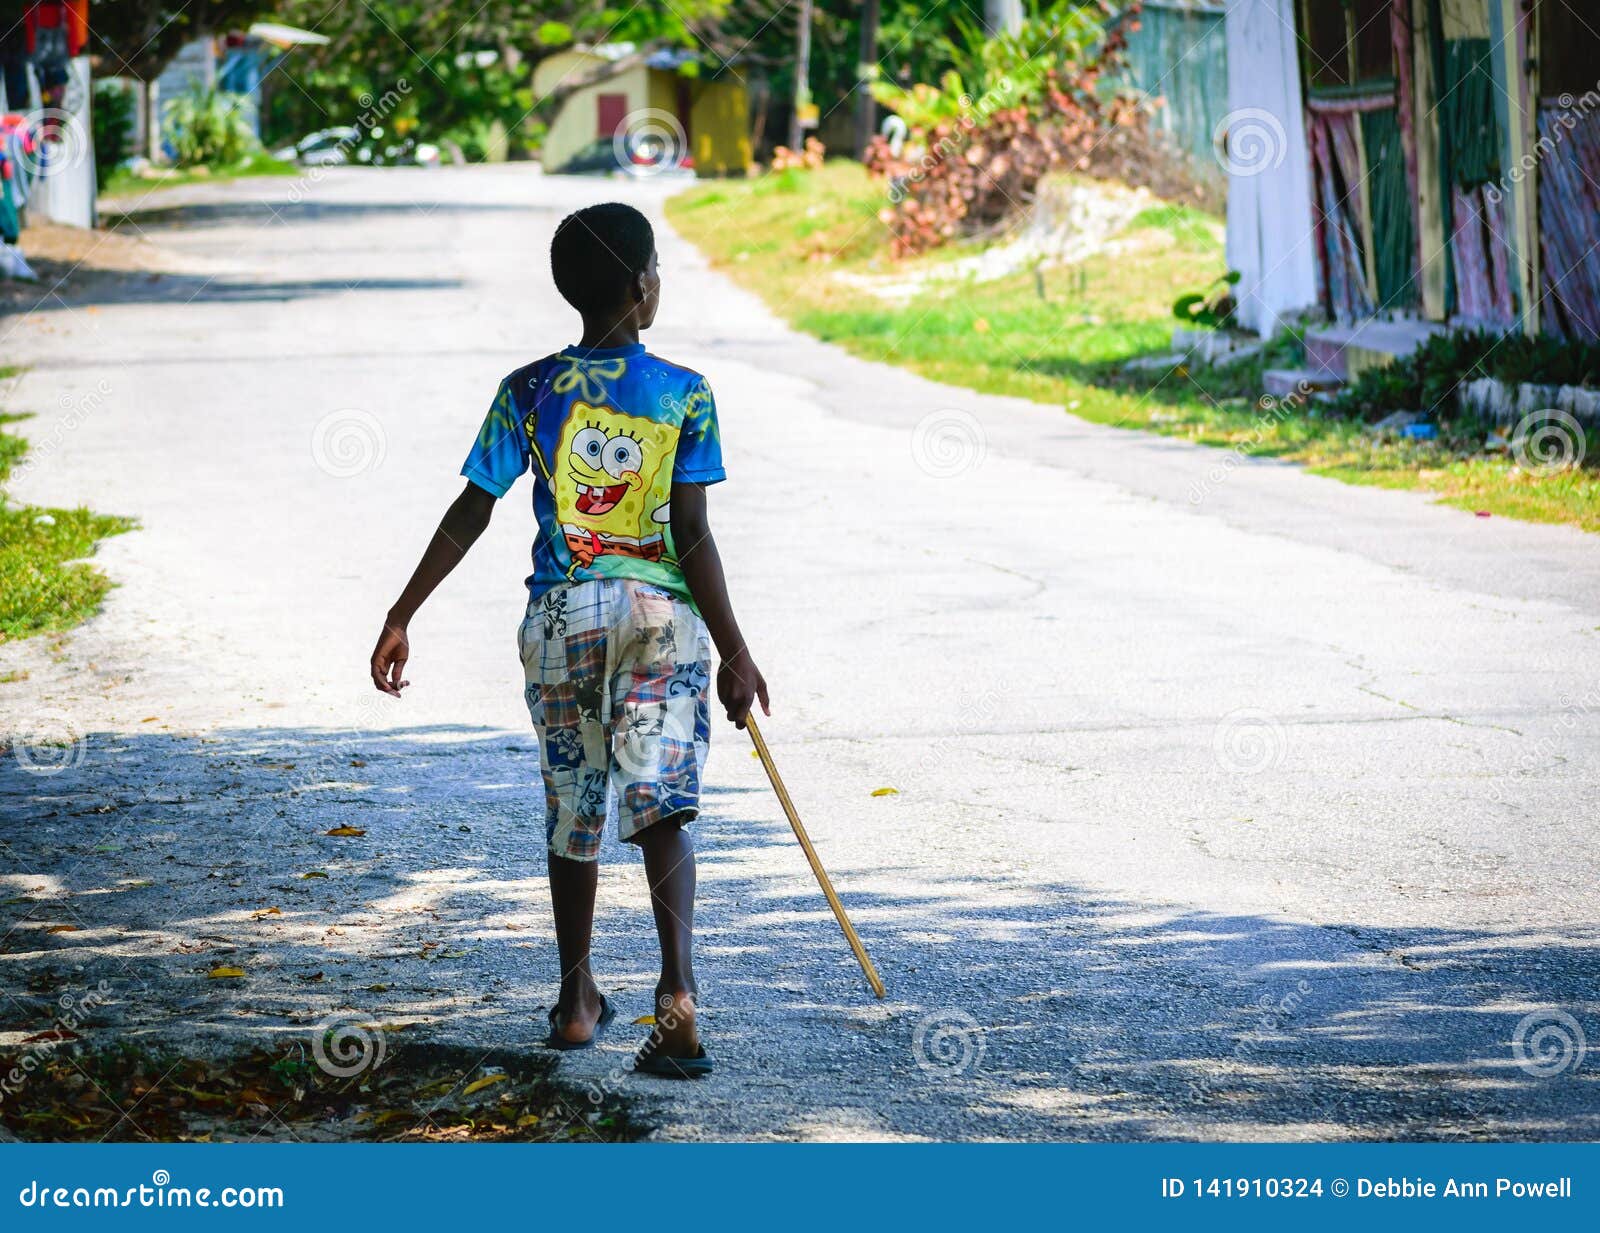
[650,102]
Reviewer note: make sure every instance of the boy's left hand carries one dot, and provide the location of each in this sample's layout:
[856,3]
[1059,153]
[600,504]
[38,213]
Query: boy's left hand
[389,659]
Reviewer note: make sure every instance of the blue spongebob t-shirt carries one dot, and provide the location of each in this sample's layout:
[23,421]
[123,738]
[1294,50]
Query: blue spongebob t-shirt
[606,431]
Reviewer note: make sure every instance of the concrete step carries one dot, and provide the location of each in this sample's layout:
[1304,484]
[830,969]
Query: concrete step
[1346,351]
[1299,382]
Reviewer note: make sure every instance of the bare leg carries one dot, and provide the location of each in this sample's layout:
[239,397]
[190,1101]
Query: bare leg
[669,866]
[572,887]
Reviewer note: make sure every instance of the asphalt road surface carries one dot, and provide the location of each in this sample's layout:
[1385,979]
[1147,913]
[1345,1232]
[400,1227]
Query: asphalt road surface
[1231,802]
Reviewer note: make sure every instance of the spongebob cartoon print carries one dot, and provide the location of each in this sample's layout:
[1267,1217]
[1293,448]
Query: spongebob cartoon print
[612,478]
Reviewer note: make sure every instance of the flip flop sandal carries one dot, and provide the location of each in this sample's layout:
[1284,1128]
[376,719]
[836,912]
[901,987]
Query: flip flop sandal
[556,1040]
[654,1062]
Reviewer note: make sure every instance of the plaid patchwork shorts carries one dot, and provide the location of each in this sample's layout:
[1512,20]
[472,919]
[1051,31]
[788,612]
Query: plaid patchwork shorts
[617,674]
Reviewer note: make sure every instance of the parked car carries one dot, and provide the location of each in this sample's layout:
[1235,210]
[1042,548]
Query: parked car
[642,157]
[344,144]
[328,147]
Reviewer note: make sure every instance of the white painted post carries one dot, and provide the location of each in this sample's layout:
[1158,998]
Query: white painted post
[1262,146]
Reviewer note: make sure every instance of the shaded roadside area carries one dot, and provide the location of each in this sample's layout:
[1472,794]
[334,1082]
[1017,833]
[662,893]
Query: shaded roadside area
[299,900]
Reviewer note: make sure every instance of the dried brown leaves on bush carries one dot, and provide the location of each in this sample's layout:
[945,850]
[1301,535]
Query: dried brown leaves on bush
[977,145]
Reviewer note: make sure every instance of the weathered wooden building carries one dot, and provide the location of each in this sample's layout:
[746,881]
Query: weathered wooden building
[1410,163]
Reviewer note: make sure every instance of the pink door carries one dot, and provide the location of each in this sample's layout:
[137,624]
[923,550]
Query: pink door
[612,110]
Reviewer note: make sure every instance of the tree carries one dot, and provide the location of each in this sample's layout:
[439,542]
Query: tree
[139,38]
[866,105]
[467,64]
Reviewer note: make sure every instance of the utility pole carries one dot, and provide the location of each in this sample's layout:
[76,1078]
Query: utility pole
[802,79]
[866,105]
[1002,16]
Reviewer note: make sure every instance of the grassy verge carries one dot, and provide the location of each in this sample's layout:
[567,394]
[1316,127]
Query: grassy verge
[124,183]
[1060,336]
[44,583]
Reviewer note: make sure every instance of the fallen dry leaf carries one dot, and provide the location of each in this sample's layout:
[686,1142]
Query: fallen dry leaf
[352,831]
[315,873]
[646,1020]
[477,1085]
[886,792]
[225,973]
[51,1034]
[65,929]
[266,912]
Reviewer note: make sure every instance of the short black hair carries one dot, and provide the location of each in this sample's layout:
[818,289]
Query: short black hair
[596,253]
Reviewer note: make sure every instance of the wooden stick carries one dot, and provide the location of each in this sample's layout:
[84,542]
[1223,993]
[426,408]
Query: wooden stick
[811,855]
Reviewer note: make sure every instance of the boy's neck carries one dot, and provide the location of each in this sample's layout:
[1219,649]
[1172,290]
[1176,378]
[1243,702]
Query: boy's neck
[607,331]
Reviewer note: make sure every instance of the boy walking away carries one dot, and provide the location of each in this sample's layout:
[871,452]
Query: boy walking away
[626,587]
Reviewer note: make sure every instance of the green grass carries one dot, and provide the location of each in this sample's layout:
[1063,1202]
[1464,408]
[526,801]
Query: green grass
[124,183]
[45,585]
[1061,336]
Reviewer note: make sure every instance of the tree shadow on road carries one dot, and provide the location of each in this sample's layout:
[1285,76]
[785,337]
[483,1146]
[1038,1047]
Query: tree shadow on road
[199,215]
[124,287]
[1018,1007]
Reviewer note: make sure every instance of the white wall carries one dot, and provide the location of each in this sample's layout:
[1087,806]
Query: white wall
[1270,237]
[65,191]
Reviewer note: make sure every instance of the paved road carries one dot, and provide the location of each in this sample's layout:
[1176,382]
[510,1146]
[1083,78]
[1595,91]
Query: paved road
[1232,802]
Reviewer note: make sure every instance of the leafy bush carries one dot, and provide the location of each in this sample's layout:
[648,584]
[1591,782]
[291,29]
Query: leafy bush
[1014,108]
[1214,307]
[1428,378]
[482,139]
[211,127]
[111,118]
